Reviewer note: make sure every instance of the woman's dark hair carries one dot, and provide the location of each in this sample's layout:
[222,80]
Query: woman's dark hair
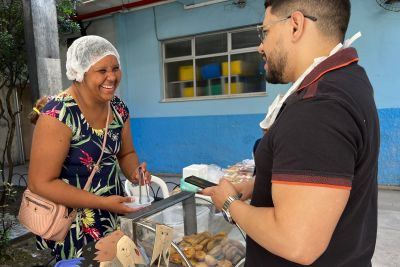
[33,116]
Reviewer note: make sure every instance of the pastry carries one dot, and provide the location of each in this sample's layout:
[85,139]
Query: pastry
[224,263]
[200,255]
[175,258]
[216,251]
[215,241]
[189,252]
[210,260]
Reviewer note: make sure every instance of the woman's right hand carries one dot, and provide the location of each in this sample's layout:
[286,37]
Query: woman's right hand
[146,174]
[116,204]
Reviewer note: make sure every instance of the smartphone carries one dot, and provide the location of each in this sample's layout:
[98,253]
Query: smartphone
[199,182]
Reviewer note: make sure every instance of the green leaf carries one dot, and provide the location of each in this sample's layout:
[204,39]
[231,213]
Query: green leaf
[103,190]
[66,9]
[80,142]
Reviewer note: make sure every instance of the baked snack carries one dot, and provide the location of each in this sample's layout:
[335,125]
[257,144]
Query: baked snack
[200,255]
[206,250]
[189,252]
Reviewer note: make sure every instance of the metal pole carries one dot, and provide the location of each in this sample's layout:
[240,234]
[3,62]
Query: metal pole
[189,215]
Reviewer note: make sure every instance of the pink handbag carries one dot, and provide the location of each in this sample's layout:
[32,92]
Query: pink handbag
[47,219]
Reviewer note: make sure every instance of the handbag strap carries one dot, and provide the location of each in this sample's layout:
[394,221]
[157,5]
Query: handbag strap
[96,167]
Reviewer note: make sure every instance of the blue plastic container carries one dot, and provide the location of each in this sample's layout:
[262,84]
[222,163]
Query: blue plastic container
[210,71]
[70,263]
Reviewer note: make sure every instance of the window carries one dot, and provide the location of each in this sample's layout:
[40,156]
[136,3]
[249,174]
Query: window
[223,64]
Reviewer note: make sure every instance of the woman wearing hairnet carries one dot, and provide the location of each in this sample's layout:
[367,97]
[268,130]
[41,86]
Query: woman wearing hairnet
[67,142]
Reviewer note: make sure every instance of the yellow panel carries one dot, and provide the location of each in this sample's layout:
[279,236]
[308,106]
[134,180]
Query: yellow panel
[225,68]
[238,67]
[186,73]
[188,92]
[236,88]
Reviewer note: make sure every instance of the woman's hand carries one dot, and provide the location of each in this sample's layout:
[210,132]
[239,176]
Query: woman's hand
[116,204]
[141,170]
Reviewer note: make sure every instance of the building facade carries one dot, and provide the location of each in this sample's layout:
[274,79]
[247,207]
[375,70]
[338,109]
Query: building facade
[173,128]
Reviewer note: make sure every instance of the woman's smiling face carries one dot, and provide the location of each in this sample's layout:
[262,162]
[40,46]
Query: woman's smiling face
[103,77]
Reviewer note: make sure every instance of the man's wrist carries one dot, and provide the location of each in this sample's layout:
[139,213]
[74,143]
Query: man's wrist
[229,201]
[225,207]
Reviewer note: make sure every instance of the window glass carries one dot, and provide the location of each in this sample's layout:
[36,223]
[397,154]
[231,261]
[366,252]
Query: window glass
[178,49]
[211,81]
[231,73]
[211,44]
[247,73]
[179,79]
[244,39]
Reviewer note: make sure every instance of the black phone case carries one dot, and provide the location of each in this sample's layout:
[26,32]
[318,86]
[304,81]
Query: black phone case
[199,182]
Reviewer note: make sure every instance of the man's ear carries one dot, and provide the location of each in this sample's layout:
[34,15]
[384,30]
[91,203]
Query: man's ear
[297,23]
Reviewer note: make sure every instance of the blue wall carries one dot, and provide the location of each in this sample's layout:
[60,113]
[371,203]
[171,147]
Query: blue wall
[171,143]
[389,158]
[172,135]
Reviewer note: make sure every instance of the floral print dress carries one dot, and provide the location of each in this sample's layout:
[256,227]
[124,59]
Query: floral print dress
[90,224]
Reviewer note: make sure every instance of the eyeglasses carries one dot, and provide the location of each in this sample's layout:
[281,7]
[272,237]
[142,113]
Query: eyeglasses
[263,29]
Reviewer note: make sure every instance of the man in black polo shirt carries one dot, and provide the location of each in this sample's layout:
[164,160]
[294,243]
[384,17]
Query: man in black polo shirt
[314,198]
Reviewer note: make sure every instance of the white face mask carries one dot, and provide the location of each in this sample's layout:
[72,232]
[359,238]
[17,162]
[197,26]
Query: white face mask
[276,105]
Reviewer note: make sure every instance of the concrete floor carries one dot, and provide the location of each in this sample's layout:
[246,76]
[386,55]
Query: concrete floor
[387,251]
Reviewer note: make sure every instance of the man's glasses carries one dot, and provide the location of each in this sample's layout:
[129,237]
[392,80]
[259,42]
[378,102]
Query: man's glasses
[263,29]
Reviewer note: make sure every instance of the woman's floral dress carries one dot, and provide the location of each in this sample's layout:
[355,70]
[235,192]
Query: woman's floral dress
[90,224]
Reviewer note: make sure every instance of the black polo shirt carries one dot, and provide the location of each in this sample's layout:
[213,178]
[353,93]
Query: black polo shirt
[326,134]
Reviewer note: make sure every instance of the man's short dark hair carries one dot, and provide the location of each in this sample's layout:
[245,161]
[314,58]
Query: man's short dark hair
[332,15]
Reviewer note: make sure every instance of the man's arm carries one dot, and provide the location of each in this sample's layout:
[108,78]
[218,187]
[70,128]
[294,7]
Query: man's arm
[299,226]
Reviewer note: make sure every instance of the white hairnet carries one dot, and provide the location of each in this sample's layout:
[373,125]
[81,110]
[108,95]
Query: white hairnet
[86,51]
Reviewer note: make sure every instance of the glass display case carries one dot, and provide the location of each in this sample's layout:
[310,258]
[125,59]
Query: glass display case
[201,236]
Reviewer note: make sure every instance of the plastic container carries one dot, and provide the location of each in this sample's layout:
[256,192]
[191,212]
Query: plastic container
[69,262]
[210,71]
[186,73]
[136,204]
[216,89]
[238,67]
[173,217]
[236,88]
[199,170]
[188,92]
[134,192]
